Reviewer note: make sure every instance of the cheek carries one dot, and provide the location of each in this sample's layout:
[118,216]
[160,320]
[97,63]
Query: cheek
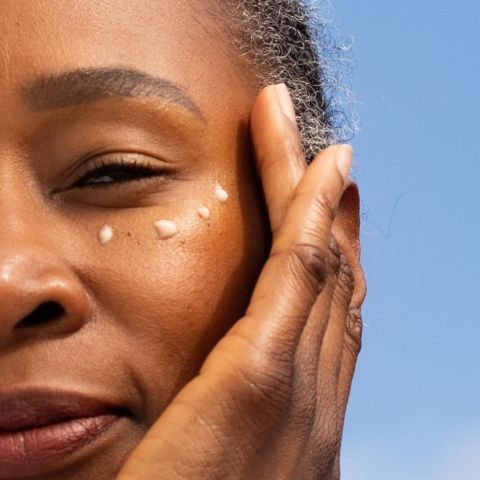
[167,302]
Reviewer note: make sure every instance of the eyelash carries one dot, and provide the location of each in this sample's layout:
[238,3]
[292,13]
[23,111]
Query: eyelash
[131,170]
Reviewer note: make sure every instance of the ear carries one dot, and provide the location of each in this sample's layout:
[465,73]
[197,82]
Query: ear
[346,229]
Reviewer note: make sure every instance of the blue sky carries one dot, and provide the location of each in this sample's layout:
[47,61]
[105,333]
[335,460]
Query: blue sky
[414,412]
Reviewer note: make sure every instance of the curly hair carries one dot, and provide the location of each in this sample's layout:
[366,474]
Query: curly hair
[288,41]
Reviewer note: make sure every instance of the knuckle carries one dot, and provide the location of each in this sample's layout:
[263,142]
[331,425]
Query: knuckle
[354,330]
[293,148]
[345,274]
[323,206]
[310,260]
[276,156]
[262,376]
[266,386]
[335,257]
[268,159]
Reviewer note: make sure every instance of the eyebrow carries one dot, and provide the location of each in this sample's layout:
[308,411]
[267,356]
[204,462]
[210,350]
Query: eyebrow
[89,85]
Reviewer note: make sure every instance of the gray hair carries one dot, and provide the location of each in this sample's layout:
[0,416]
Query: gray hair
[287,41]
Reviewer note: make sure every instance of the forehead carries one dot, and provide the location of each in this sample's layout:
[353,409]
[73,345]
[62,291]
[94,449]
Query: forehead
[181,40]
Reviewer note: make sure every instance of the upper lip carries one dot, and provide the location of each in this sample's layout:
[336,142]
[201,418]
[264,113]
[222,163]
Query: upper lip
[35,407]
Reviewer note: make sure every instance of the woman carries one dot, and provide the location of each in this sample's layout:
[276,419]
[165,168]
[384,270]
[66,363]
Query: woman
[138,239]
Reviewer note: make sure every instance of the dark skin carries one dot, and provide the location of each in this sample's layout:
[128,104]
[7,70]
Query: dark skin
[269,400]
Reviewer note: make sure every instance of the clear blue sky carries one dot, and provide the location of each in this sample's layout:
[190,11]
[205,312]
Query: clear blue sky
[415,408]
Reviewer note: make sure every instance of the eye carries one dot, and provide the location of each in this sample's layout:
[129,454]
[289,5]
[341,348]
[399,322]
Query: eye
[106,172]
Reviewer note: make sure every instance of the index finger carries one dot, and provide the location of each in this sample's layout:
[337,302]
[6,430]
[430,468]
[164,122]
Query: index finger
[296,270]
[278,149]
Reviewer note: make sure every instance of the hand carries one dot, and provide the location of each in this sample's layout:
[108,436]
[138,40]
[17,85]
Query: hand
[270,399]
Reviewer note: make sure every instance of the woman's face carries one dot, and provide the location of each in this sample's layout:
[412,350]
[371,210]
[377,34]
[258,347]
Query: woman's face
[121,114]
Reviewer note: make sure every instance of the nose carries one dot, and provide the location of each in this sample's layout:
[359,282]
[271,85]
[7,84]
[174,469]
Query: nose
[39,296]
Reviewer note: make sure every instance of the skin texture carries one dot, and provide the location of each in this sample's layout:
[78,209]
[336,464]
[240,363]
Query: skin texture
[269,401]
[140,314]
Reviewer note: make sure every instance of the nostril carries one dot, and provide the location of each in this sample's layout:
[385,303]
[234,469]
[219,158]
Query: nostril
[44,313]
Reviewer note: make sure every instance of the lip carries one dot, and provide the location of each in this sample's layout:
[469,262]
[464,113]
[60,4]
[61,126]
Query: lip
[40,429]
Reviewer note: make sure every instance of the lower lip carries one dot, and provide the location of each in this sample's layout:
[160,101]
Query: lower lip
[33,452]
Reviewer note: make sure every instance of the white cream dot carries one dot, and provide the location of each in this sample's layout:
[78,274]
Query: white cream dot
[203,212]
[105,235]
[165,229]
[220,194]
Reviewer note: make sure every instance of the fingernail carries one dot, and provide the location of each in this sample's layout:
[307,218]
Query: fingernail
[285,101]
[344,158]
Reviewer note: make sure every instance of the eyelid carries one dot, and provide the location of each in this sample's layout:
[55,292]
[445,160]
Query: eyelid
[128,160]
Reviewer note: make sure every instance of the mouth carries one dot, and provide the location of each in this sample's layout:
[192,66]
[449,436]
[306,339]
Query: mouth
[41,429]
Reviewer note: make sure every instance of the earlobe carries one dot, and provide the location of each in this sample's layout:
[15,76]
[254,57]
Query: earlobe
[346,229]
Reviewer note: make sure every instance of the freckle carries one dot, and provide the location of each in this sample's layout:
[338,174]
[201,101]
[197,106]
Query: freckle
[166,229]
[203,212]
[220,194]
[105,235]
